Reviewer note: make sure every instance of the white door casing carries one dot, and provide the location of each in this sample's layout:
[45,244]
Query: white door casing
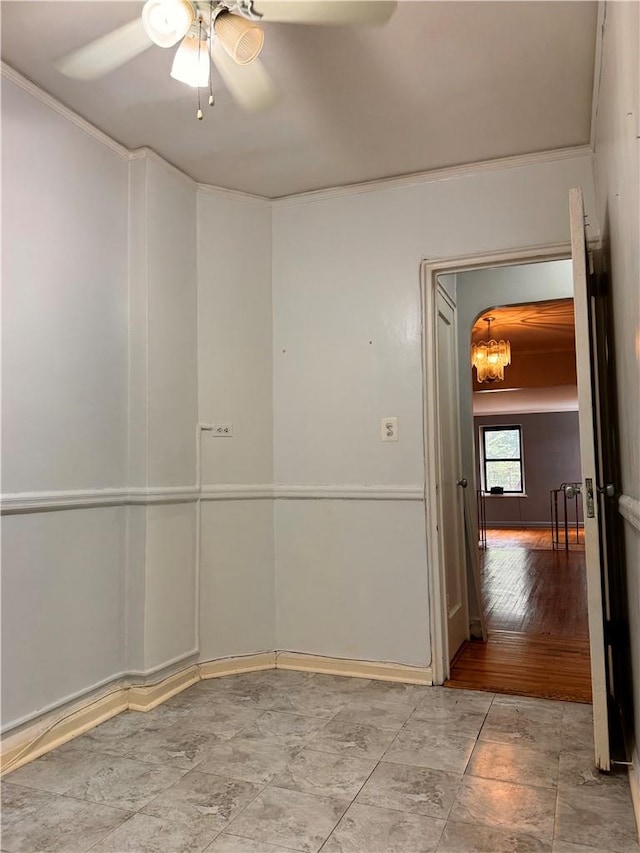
[450,495]
[430,270]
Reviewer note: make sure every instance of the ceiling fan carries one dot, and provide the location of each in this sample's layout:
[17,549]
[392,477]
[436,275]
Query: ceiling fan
[226,33]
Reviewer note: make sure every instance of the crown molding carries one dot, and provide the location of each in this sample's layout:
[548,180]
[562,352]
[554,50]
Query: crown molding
[234,195]
[448,173]
[122,151]
[9,73]
[146,153]
[597,71]
[399,181]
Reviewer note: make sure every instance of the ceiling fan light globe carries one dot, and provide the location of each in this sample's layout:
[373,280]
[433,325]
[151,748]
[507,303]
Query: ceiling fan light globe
[167,21]
[241,38]
[191,63]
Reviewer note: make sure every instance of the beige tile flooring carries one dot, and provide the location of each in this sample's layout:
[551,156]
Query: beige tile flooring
[283,761]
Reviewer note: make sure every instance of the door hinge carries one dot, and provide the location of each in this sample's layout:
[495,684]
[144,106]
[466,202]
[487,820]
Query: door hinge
[615,632]
[608,490]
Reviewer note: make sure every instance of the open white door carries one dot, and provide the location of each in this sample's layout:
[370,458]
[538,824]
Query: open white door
[449,486]
[595,550]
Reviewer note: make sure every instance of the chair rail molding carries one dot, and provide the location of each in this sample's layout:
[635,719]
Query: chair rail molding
[18,502]
[629,509]
[345,492]
[314,491]
[12,503]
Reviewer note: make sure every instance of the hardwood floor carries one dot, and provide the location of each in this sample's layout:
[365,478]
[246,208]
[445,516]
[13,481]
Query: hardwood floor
[536,609]
[535,592]
[525,665]
[538,538]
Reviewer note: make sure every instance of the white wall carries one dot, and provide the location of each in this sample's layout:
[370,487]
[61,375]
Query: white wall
[64,395]
[64,270]
[62,606]
[304,342]
[99,392]
[237,605]
[161,605]
[618,191]
[347,353]
[352,579]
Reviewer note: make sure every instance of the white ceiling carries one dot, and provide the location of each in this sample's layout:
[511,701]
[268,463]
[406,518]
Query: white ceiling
[443,83]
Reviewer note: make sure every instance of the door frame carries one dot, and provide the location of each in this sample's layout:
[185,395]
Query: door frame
[430,269]
[441,293]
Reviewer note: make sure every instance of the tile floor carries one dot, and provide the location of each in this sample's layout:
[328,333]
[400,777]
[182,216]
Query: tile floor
[282,761]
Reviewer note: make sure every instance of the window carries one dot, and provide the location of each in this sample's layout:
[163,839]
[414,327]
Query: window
[501,452]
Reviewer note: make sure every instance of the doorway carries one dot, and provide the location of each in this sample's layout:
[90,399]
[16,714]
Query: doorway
[599,464]
[527,476]
[542,274]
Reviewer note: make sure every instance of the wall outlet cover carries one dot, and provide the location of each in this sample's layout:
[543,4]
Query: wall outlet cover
[222,430]
[389,429]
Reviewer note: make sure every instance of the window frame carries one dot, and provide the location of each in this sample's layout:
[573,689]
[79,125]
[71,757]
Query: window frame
[520,459]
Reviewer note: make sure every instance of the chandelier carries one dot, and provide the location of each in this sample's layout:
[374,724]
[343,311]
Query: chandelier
[490,357]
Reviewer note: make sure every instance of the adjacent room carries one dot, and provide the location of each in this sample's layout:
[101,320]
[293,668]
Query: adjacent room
[526,443]
[257,506]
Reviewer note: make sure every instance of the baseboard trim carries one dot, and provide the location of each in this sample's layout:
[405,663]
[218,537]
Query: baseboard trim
[234,665]
[377,670]
[634,784]
[518,525]
[143,698]
[50,730]
[42,736]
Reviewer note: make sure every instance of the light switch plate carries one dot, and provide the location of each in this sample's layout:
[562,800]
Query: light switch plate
[389,429]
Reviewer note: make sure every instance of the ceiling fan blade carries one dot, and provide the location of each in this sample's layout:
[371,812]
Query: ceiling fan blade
[325,11]
[106,53]
[250,84]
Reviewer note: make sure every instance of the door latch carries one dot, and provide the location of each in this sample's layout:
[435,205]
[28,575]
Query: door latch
[588,484]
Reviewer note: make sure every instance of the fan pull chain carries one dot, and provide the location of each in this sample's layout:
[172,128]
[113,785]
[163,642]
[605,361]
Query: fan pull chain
[199,114]
[212,100]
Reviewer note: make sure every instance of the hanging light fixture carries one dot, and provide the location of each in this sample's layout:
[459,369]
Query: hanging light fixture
[191,63]
[241,38]
[167,21]
[490,357]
